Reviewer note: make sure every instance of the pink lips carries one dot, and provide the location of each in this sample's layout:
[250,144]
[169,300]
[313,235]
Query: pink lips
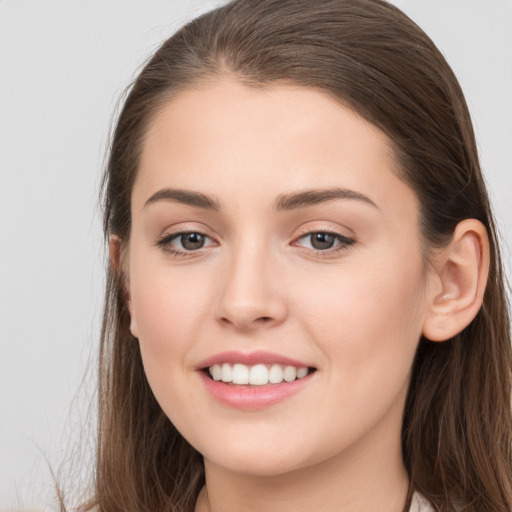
[249,359]
[251,397]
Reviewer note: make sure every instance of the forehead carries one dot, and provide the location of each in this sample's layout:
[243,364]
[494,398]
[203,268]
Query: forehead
[235,141]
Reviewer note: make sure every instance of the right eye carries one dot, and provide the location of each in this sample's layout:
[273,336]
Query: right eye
[185,242]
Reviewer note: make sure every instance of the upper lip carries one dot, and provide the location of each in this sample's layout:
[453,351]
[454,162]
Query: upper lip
[250,359]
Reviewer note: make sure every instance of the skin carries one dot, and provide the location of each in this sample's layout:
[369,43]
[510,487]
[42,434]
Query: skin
[356,315]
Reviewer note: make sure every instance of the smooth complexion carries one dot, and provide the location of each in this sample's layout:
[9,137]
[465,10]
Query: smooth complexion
[281,263]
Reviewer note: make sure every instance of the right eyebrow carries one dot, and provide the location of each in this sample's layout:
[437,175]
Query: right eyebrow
[187,197]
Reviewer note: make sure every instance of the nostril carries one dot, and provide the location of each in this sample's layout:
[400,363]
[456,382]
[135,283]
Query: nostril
[264,320]
[260,322]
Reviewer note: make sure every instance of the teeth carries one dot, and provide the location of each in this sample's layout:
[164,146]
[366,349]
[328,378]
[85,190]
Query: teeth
[216,372]
[240,373]
[301,373]
[226,373]
[290,373]
[257,375]
[275,375]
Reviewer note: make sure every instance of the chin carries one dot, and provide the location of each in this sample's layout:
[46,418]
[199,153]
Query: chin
[257,464]
[261,457]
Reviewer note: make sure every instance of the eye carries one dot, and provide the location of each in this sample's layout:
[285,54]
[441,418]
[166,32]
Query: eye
[185,242]
[324,241]
[191,241]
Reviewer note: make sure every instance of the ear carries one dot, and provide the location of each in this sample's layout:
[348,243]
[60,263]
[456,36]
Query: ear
[461,270]
[114,245]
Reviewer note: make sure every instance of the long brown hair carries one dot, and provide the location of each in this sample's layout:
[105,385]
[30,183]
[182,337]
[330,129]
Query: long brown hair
[456,435]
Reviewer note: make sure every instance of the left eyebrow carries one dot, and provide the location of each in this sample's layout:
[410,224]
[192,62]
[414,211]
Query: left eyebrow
[307,198]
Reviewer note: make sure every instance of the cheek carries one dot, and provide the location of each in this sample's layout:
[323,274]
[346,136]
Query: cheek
[368,321]
[167,310]
[169,319]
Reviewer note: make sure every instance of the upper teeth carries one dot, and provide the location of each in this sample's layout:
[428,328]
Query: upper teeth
[257,375]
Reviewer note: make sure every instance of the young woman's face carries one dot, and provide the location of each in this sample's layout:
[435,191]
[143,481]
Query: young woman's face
[273,243]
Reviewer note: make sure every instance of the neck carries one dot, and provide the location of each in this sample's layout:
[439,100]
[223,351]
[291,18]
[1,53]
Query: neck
[368,476]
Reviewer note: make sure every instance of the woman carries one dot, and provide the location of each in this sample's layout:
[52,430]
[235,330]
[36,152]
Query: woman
[305,306]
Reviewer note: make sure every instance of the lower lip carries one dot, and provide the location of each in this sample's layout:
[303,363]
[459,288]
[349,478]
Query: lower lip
[253,397]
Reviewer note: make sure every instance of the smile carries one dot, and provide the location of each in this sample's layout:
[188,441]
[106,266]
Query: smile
[256,375]
[254,380]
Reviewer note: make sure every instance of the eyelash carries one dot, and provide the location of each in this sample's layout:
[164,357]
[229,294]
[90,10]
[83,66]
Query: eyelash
[164,242]
[343,241]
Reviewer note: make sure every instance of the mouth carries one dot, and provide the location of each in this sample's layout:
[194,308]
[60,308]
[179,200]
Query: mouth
[260,374]
[253,381]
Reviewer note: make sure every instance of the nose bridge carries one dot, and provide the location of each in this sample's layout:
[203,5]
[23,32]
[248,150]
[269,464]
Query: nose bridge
[250,292]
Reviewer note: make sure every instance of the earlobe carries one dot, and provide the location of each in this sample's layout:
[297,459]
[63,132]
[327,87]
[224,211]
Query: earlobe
[114,245]
[462,269]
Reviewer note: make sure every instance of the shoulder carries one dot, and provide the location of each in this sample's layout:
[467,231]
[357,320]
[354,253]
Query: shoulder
[420,504]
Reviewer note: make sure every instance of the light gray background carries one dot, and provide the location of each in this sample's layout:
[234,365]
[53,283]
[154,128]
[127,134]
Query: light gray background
[63,64]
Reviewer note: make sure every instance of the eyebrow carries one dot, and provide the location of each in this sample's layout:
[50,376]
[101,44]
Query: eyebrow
[307,198]
[284,202]
[187,197]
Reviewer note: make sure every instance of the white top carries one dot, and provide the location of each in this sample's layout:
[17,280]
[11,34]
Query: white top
[420,504]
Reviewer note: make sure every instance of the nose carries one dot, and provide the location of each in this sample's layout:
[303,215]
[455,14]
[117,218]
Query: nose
[252,296]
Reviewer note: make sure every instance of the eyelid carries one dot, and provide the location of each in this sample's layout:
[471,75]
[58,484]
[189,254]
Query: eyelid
[344,241]
[184,227]
[164,241]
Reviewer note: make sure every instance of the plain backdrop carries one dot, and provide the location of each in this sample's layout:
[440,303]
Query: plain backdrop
[63,64]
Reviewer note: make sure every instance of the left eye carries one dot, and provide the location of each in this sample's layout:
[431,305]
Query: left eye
[324,241]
